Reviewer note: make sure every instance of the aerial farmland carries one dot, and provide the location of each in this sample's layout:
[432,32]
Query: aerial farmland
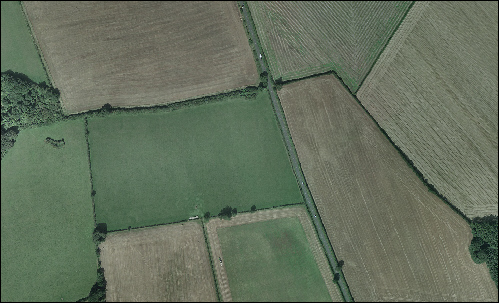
[331,151]
[141,53]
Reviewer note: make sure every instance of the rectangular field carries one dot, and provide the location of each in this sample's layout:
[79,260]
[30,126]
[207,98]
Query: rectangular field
[19,52]
[47,218]
[271,256]
[309,37]
[164,167]
[435,92]
[141,53]
[158,264]
[399,241]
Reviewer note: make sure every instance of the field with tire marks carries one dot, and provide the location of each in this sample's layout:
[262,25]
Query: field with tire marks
[242,275]
[141,53]
[306,38]
[399,241]
[158,264]
[435,93]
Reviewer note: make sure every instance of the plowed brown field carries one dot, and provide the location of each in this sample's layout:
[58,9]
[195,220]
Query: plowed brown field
[159,264]
[141,53]
[399,242]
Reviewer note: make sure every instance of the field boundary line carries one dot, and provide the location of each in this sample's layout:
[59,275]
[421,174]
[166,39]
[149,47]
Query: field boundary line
[393,46]
[386,44]
[39,49]
[207,243]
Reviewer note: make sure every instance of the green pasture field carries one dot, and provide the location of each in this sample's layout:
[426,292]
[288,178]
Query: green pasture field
[271,261]
[47,250]
[163,167]
[19,52]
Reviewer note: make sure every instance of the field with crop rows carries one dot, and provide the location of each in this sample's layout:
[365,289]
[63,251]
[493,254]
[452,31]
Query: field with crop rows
[270,255]
[47,217]
[399,241]
[19,52]
[141,53]
[435,93]
[164,167]
[306,38]
[158,264]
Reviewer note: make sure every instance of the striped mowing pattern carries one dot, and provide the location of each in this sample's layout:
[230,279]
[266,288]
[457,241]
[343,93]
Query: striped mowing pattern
[305,38]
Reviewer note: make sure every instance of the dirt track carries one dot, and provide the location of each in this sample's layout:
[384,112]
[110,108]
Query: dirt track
[265,215]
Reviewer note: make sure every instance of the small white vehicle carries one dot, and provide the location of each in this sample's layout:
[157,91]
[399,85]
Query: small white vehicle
[220,261]
[260,56]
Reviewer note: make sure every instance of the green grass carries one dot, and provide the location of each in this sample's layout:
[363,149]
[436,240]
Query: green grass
[47,250]
[271,261]
[19,52]
[164,167]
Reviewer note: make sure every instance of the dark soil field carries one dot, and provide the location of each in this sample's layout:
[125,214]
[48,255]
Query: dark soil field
[141,53]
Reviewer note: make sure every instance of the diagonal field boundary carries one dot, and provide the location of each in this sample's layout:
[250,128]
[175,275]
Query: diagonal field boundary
[266,215]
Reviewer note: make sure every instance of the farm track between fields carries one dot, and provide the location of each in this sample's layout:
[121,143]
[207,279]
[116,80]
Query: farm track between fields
[266,215]
[296,168]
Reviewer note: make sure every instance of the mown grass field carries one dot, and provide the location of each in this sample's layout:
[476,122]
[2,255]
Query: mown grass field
[271,261]
[305,38]
[164,167]
[399,241]
[435,93]
[141,53]
[19,52]
[47,217]
[158,264]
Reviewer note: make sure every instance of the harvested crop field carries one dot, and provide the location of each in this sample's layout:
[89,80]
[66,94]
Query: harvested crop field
[47,217]
[19,53]
[164,167]
[141,53]
[305,38]
[399,241]
[158,264]
[435,92]
[270,256]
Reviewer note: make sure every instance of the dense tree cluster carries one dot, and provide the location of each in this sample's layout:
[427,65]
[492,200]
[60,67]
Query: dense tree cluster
[8,139]
[484,244]
[26,103]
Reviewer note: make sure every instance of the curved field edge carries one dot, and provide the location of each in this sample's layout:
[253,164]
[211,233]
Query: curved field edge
[267,215]
[429,111]
[394,235]
[47,250]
